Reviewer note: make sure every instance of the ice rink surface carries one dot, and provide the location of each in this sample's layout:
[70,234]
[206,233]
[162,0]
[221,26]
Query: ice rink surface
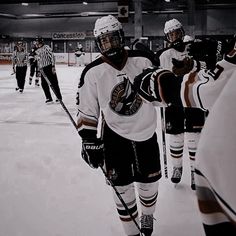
[46,189]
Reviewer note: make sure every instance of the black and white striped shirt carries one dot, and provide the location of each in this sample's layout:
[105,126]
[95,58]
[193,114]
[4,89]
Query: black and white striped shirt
[19,58]
[45,56]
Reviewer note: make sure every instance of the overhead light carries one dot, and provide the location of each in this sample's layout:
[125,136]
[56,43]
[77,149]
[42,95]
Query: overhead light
[84,13]
[167,0]
[85,3]
[8,15]
[25,4]
[33,15]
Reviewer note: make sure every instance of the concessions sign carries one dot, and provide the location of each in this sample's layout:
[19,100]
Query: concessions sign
[68,35]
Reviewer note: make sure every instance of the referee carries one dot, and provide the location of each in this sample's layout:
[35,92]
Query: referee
[19,63]
[46,64]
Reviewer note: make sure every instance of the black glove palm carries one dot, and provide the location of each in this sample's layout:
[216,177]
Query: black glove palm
[182,67]
[92,152]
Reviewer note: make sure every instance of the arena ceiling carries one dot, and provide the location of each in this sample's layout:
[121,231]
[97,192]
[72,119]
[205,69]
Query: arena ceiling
[70,8]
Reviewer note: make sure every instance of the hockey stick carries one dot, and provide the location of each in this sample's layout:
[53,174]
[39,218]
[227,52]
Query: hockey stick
[13,73]
[164,140]
[61,102]
[104,172]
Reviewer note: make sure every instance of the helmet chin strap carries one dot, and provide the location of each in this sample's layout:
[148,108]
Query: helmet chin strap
[117,55]
[117,60]
[178,45]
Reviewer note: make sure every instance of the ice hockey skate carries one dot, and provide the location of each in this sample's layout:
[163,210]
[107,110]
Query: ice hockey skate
[147,225]
[177,174]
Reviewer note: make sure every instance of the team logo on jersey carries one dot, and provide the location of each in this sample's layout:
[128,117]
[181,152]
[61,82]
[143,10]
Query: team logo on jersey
[124,100]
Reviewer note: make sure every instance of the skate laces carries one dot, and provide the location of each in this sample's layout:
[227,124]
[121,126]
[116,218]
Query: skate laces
[147,222]
[177,173]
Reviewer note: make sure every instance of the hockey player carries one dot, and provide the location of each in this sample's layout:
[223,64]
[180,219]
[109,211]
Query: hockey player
[33,65]
[128,145]
[215,163]
[181,123]
[46,65]
[19,63]
[79,53]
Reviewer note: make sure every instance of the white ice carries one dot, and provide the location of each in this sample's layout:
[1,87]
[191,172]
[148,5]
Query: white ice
[46,189]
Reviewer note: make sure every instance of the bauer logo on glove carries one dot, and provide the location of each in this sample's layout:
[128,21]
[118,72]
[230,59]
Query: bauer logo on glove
[93,152]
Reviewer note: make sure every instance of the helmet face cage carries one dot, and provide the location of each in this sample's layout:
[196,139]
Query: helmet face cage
[111,42]
[172,36]
[39,41]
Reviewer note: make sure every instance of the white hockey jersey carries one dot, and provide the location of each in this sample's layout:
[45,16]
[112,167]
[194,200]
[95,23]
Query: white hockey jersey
[216,161]
[106,89]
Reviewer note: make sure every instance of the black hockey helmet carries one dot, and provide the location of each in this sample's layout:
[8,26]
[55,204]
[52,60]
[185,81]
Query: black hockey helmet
[39,40]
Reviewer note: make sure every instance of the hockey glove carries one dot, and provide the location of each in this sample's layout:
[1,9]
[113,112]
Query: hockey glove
[142,85]
[93,152]
[157,85]
[197,50]
[180,68]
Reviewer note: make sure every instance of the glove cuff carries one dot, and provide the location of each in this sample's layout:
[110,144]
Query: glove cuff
[198,65]
[87,134]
